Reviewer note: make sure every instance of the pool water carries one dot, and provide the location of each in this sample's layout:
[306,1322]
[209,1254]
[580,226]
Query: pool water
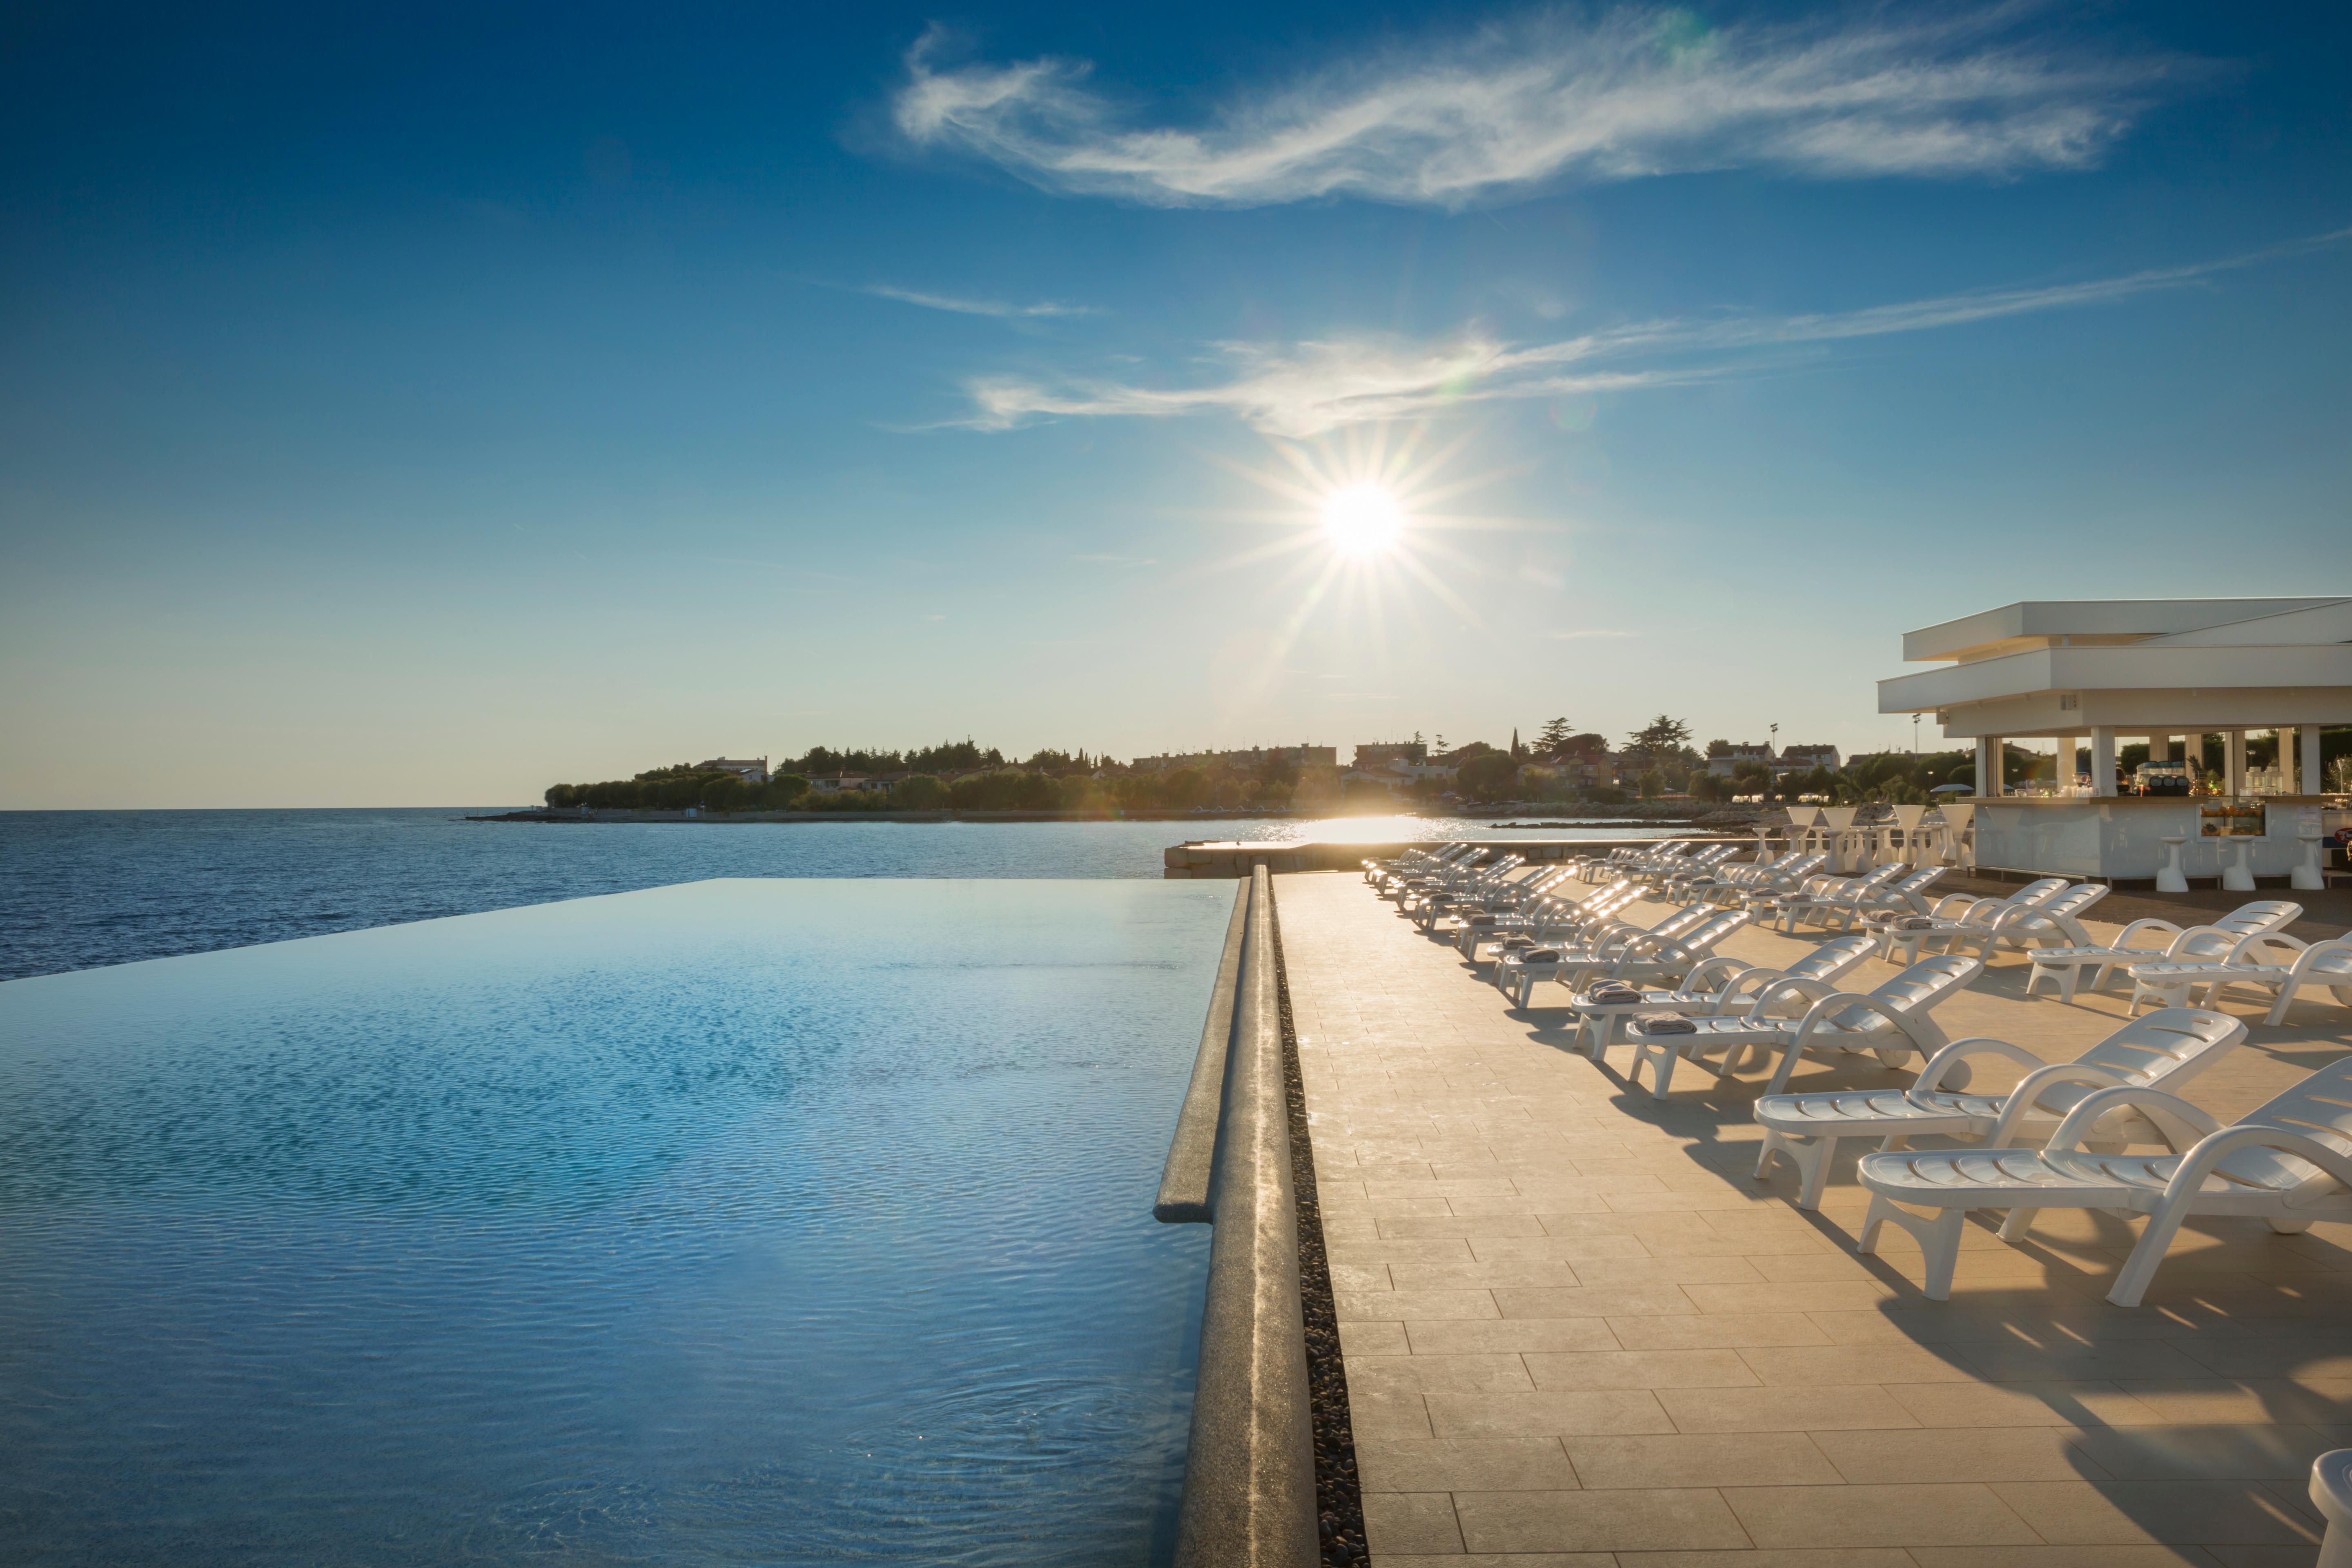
[745,1221]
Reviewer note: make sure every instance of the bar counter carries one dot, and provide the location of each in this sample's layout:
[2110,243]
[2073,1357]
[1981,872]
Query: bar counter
[2123,836]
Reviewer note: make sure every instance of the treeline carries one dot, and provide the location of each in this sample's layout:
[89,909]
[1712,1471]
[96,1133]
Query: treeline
[1006,787]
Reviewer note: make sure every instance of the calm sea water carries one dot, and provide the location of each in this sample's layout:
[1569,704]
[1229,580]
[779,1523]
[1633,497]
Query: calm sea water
[82,888]
[752,1221]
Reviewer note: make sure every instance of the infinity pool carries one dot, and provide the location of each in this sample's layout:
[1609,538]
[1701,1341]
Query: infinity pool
[775,1222]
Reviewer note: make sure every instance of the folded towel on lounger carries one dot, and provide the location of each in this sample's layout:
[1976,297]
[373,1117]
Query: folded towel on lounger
[1541,955]
[1612,995]
[1915,922]
[1666,1023]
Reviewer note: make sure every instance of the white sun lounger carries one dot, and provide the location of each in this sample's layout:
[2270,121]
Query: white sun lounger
[1738,984]
[2163,1049]
[2322,963]
[1517,971]
[2289,1164]
[1959,913]
[2055,922]
[2065,964]
[1890,1022]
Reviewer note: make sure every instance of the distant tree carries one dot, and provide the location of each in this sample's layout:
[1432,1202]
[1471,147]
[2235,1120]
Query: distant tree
[1518,752]
[921,793]
[1651,783]
[1719,748]
[1185,788]
[1661,738]
[1555,734]
[1487,777]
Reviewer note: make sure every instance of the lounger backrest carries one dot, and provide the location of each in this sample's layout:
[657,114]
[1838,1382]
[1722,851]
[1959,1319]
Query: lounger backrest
[1916,991]
[1920,881]
[1833,959]
[2326,963]
[2268,915]
[2074,900]
[2202,944]
[1702,938]
[2168,1046]
[2320,1108]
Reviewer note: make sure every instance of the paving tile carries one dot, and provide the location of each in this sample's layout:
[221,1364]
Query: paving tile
[2144,1556]
[2014,1362]
[1444,1249]
[1641,1369]
[1719,1269]
[1466,1464]
[1541,1272]
[1808,1557]
[1596,1521]
[1409,1521]
[1373,1338]
[1502,1560]
[1729,1330]
[2231,1512]
[1960,1453]
[1954,1514]
[2207,1453]
[1803,1367]
[1467,1337]
[1593,1301]
[1833,1297]
[2023,1404]
[1558,1414]
[1700,1459]
[1429,1226]
[1405,1306]
[1439,1373]
[1783,1409]
[2229,1402]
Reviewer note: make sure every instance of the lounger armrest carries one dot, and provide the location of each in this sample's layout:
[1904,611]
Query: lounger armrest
[2028,1093]
[2218,1146]
[1932,1075]
[2091,1107]
[2123,941]
[1835,1001]
[1787,986]
[1732,968]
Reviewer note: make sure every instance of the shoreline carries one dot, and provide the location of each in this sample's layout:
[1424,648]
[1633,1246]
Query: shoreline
[1617,816]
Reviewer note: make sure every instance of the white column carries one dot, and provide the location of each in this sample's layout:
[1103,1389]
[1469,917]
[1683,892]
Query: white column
[2103,760]
[1988,769]
[2314,778]
[2233,763]
[2287,780]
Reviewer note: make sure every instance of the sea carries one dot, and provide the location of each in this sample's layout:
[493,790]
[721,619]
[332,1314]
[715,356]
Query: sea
[81,889]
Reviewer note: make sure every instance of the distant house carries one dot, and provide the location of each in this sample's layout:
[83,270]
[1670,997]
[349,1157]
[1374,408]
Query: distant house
[1256,756]
[750,769]
[1384,753]
[1724,763]
[1805,759]
[834,784]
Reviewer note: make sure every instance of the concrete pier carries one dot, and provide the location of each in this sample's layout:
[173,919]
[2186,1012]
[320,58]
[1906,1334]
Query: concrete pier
[1577,1333]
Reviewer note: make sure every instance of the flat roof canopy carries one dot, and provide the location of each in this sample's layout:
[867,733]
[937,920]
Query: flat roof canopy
[2142,666]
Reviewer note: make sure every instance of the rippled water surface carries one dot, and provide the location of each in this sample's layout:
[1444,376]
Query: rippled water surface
[80,888]
[750,1221]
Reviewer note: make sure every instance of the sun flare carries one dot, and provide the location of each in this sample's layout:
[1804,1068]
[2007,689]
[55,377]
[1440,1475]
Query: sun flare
[1363,520]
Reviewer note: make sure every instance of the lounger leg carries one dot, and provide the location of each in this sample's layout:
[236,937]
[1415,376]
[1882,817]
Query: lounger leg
[2020,1221]
[1779,1084]
[2277,1014]
[2068,979]
[2290,1226]
[2140,1268]
[1939,1238]
[1811,1157]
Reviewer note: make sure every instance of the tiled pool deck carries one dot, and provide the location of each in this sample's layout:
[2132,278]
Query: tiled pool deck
[1578,1333]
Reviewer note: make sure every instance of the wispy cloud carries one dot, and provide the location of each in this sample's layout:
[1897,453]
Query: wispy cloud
[1002,308]
[1307,388]
[1559,98]
[1586,632]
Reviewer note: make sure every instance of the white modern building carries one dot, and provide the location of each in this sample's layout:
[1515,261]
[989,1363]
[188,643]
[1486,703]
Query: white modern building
[2089,671]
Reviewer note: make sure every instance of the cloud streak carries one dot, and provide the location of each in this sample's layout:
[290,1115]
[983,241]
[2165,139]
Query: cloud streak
[1304,389]
[1000,308]
[1553,99]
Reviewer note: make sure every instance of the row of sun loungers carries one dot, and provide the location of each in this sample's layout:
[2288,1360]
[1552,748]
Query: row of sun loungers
[1663,989]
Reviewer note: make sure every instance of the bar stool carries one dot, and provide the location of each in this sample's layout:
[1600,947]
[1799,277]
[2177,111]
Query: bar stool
[2168,879]
[2235,877]
[2331,1494]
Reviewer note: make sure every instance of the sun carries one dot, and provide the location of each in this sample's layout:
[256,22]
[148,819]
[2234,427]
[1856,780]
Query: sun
[1363,520]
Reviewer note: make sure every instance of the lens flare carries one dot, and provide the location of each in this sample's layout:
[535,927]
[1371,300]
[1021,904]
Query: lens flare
[1363,520]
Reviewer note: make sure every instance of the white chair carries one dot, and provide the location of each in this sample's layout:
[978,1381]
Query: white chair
[1738,984]
[2321,964]
[1957,914]
[1823,898]
[2053,921]
[2165,1048]
[2288,1163]
[1890,1022]
[2065,964]
[1517,971]
[2175,979]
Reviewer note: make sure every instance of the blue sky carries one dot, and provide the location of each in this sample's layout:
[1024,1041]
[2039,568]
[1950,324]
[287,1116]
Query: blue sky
[419,406]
